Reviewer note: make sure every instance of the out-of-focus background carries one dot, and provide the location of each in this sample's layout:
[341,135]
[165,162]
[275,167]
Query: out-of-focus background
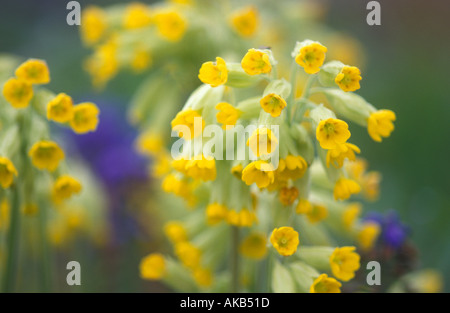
[407,70]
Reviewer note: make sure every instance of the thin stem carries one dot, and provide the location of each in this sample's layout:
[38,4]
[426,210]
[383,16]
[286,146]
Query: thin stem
[234,259]
[45,261]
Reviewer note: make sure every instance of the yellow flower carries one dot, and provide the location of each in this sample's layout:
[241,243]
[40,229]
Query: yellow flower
[149,143]
[259,172]
[262,142]
[331,133]
[343,151]
[351,213]
[175,231]
[103,64]
[188,254]
[273,104]
[325,284]
[288,195]
[153,266]
[285,240]
[370,183]
[254,246]
[85,118]
[93,25]
[344,263]
[245,21]
[215,213]
[292,167]
[5,211]
[227,115]
[17,92]
[243,218]
[348,79]
[344,188]
[380,124]
[368,235]
[188,118]
[311,57]
[33,72]
[181,188]
[171,25]
[214,73]
[60,108]
[142,60]
[46,155]
[303,207]
[203,169]
[256,62]
[317,213]
[137,15]
[203,277]
[237,171]
[64,187]
[7,172]
[161,165]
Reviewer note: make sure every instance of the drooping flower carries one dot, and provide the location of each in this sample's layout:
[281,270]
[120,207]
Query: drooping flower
[60,108]
[288,195]
[93,24]
[273,104]
[149,143]
[317,213]
[179,187]
[175,231]
[325,284]
[311,57]
[214,73]
[17,92]
[285,240]
[7,172]
[142,60]
[33,71]
[137,15]
[64,187]
[259,172]
[344,188]
[85,118]
[343,151]
[153,266]
[344,262]
[351,213]
[245,21]
[191,119]
[203,277]
[243,218]
[380,124]
[227,115]
[171,25]
[348,79]
[215,213]
[256,62]
[368,235]
[292,167]
[254,246]
[46,155]
[188,254]
[262,142]
[303,207]
[203,168]
[331,133]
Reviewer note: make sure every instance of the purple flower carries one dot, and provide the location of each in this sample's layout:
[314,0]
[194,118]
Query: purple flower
[393,231]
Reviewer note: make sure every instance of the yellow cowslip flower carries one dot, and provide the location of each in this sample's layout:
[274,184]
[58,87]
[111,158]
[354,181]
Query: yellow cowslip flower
[203,277]
[237,171]
[175,231]
[245,21]
[380,124]
[370,184]
[103,64]
[17,92]
[153,266]
[137,15]
[254,246]
[141,60]
[64,187]
[188,254]
[303,207]
[259,172]
[5,212]
[256,62]
[243,218]
[288,195]
[33,71]
[46,155]
[203,169]
[160,165]
[273,104]
[262,142]
[227,115]
[368,235]
[85,118]
[214,73]
[215,213]
[348,79]
[188,118]
[285,240]
[317,213]
[311,57]
[351,213]
[179,187]
[331,133]
[93,24]
[30,209]
[343,151]
[344,262]
[60,108]
[325,284]
[7,172]
[149,143]
[292,167]
[344,188]
[171,25]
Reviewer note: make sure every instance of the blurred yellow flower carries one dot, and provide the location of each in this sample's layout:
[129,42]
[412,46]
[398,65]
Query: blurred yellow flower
[60,108]
[214,73]
[64,187]
[344,188]
[245,21]
[17,92]
[204,168]
[254,246]
[317,213]
[285,240]
[368,235]
[188,118]
[273,104]
[46,155]
[243,218]
[171,25]
[30,209]
[137,15]
[142,60]
[93,24]
[153,266]
[303,206]
[288,195]
[215,213]
[325,284]
[380,124]
[350,215]
[256,62]
[344,262]
[33,71]
[227,115]
[292,167]
[262,142]
[7,172]
[203,277]
[5,211]
[85,118]
[331,133]
[175,231]
[149,143]
[311,57]
[348,79]
[188,254]
[343,151]
[259,172]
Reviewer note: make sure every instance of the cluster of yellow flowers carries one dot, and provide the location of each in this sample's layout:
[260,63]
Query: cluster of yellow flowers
[277,193]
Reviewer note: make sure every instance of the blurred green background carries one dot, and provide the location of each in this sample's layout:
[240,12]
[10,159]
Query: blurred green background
[407,71]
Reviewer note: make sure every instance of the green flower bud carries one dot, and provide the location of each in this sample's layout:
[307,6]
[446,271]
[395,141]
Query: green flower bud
[238,78]
[316,256]
[328,73]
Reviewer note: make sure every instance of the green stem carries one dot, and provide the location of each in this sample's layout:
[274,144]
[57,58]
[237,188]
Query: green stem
[45,257]
[235,259]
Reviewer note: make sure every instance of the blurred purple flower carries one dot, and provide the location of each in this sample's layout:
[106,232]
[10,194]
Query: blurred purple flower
[393,231]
